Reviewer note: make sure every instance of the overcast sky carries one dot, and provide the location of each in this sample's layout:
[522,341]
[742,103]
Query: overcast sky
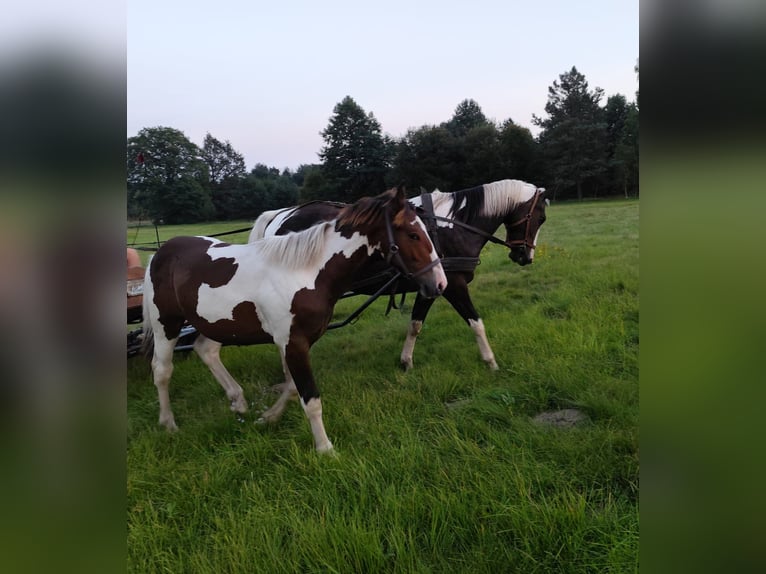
[267,75]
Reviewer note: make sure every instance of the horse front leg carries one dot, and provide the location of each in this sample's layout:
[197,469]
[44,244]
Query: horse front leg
[297,359]
[458,296]
[417,318]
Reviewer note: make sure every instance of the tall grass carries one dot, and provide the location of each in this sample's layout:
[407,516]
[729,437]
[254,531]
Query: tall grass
[439,469]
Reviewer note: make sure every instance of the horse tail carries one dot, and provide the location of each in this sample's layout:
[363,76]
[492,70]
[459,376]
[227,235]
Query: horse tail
[147,345]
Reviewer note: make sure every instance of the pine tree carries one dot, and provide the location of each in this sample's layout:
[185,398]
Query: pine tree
[573,136]
[356,156]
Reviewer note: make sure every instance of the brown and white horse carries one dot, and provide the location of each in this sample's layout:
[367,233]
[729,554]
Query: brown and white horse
[279,290]
[460,224]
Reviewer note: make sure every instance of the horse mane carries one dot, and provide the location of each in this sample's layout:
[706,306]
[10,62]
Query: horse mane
[297,250]
[364,212]
[490,199]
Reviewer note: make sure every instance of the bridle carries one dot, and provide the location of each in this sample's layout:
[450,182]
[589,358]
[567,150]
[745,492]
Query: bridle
[393,254]
[528,240]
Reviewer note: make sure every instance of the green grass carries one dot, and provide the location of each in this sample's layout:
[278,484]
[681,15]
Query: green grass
[440,469]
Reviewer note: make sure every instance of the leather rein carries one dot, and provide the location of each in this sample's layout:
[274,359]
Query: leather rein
[429,215]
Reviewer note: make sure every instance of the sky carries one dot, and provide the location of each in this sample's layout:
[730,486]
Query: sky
[266,76]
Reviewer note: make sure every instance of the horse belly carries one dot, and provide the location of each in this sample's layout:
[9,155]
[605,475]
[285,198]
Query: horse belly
[243,328]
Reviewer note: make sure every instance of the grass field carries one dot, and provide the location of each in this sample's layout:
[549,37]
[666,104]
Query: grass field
[440,469]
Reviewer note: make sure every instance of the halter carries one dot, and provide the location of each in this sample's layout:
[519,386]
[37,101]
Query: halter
[394,255]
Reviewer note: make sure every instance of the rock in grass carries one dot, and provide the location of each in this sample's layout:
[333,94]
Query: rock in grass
[564,418]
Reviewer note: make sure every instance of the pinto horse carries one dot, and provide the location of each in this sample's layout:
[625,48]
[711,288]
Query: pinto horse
[460,224]
[278,290]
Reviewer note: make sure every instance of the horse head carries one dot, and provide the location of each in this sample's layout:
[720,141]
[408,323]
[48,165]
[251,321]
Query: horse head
[521,232]
[402,239]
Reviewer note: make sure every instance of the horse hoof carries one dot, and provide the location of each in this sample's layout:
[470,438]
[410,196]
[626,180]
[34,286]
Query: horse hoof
[406,365]
[328,451]
[238,406]
[493,365]
[267,419]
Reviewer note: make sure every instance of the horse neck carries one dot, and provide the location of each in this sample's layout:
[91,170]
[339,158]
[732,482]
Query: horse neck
[356,249]
[469,243]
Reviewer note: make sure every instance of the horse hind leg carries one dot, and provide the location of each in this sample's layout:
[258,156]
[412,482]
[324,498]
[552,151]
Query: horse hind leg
[162,369]
[210,353]
[288,391]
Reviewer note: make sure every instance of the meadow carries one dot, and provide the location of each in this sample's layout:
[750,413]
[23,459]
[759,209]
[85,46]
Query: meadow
[439,469]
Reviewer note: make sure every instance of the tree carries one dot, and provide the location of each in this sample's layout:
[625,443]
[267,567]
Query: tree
[468,115]
[518,152]
[226,167]
[223,161]
[626,153]
[167,177]
[356,156]
[574,133]
[425,157]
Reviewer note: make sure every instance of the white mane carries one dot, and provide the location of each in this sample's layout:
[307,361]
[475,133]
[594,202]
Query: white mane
[297,250]
[439,199]
[502,196]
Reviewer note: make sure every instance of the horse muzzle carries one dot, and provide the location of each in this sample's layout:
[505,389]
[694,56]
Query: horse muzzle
[433,282]
[520,256]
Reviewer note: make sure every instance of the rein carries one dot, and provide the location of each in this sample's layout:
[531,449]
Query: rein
[425,199]
[139,246]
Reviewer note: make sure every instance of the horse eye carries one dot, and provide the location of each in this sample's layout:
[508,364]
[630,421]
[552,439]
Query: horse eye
[414,236]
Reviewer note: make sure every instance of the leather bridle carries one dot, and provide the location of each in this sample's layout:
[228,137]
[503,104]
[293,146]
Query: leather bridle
[394,255]
[528,240]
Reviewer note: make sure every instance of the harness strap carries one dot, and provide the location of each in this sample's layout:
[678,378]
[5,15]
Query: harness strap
[430,221]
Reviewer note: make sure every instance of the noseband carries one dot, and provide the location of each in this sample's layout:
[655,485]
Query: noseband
[395,257]
[527,241]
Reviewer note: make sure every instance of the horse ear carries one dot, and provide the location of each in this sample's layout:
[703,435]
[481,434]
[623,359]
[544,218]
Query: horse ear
[400,199]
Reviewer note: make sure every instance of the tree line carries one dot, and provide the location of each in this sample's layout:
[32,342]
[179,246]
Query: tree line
[583,150]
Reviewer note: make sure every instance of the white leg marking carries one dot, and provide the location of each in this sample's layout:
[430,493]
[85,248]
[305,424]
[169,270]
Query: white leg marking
[210,353]
[313,410]
[409,343]
[162,369]
[481,339]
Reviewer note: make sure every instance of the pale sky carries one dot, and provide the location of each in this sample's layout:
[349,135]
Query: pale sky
[267,75]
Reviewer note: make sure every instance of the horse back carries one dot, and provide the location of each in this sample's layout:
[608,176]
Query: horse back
[309,215]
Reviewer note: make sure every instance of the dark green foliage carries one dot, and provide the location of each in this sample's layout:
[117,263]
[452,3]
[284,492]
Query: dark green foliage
[573,137]
[356,155]
[182,200]
[519,154]
[225,164]
[467,116]
[466,151]
[583,150]
[163,166]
